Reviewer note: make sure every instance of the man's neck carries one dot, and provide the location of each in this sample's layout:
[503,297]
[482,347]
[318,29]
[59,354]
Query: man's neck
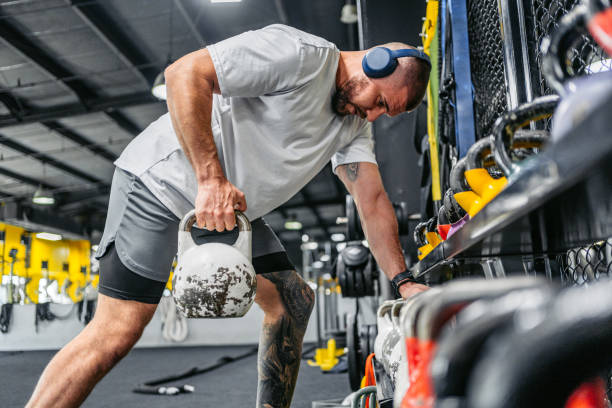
[347,63]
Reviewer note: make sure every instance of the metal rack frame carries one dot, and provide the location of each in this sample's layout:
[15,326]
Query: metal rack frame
[557,203]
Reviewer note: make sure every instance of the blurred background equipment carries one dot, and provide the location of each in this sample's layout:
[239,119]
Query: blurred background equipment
[500,181]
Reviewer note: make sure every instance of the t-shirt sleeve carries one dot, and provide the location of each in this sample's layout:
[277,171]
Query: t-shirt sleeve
[360,149]
[258,62]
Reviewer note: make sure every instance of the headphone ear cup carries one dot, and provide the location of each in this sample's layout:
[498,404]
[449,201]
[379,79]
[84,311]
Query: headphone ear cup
[378,62]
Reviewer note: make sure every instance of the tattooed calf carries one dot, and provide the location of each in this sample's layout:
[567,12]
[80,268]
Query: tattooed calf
[280,345]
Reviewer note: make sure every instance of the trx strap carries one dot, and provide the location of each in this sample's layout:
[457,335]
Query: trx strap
[464,114]
[430,47]
[153,386]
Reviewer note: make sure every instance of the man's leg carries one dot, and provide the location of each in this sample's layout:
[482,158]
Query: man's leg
[287,302]
[74,371]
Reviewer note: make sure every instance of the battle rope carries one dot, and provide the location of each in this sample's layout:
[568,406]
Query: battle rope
[5,317]
[151,387]
[174,325]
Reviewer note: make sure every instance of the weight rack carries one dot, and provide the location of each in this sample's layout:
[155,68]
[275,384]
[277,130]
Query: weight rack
[555,217]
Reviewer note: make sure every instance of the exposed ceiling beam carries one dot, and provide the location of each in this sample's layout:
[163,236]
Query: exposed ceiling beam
[4,195]
[77,207]
[5,141]
[192,27]
[80,140]
[69,110]
[74,199]
[117,40]
[123,122]
[313,203]
[315,211]
[25,179]
[11,103]
[25,47]
[280,10]
[72,135]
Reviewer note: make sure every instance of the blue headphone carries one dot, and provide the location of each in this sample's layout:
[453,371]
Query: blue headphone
[380,62]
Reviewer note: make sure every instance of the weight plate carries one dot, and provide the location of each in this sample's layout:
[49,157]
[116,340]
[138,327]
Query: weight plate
[369,277]
[432,224]
[350,282]
[341,272]
[419,234]
[352,341]
[354,231]
[364,344]
[372,338]
[359,281]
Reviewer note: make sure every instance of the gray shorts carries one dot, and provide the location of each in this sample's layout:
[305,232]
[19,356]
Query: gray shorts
[145,233]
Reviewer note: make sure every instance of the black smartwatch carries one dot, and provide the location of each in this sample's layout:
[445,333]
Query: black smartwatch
[401,278]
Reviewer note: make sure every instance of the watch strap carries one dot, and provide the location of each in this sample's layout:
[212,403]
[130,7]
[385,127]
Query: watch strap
[401,278]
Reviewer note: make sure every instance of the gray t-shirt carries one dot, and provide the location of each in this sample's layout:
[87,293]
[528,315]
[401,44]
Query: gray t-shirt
[273,124]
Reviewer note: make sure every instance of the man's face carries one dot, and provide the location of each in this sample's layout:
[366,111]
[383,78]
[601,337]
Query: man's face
[369,98]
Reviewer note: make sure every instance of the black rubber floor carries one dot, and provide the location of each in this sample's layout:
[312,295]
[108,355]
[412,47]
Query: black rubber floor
[233,385]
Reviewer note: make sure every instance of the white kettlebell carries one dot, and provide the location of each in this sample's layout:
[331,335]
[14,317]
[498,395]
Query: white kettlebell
[214,279]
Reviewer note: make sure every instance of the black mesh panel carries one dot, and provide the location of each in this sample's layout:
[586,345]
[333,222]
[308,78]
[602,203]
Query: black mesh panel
[487,63]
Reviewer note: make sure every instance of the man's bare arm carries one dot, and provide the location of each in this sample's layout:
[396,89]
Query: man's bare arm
[190,83]
[364,183]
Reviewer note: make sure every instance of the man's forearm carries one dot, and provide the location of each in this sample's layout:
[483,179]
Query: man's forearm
[190,106]
[380,227]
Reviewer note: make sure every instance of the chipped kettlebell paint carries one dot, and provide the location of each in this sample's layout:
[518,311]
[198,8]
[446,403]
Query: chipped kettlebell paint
[214,280]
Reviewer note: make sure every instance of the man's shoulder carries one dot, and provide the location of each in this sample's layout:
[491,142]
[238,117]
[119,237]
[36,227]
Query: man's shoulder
[299,35]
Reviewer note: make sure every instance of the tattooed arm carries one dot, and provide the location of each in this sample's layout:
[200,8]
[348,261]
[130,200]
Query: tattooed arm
[280,344]
[363,182]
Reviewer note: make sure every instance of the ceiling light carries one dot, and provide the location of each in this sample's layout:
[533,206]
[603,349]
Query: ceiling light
[292,223]
[325,258]
[48,236]
[365,243]
[338,237]
[349,14]
[305,238]
[159,86]
[317,264]
[341,220]
[43,197]
[340,246]
[309,246]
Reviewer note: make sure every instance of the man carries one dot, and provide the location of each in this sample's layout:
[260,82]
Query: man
[250,121]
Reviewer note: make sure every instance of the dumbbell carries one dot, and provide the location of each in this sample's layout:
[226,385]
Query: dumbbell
[389,342]
[434,314]
[506,137]
[430,232]
[546,353]
[444,224]
[455,214]
[419,234]
[408,321]
[460,346]
[505,127]
[483,187]
[570,30]
[600,23]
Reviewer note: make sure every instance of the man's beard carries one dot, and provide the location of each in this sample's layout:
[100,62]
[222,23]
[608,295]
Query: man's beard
[345,94]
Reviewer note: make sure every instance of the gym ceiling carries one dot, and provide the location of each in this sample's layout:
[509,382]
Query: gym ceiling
[75,80]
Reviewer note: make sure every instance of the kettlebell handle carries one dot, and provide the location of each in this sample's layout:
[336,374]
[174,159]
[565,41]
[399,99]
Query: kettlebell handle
[243,242]
[189,220]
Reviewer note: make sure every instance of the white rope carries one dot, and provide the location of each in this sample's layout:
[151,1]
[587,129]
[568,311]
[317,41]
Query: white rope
[174,325]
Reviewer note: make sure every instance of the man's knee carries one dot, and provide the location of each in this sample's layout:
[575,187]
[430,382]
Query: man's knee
[118,325]
[295,296]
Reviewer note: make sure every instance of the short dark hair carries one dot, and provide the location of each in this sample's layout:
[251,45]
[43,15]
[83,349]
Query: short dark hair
[418,78]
